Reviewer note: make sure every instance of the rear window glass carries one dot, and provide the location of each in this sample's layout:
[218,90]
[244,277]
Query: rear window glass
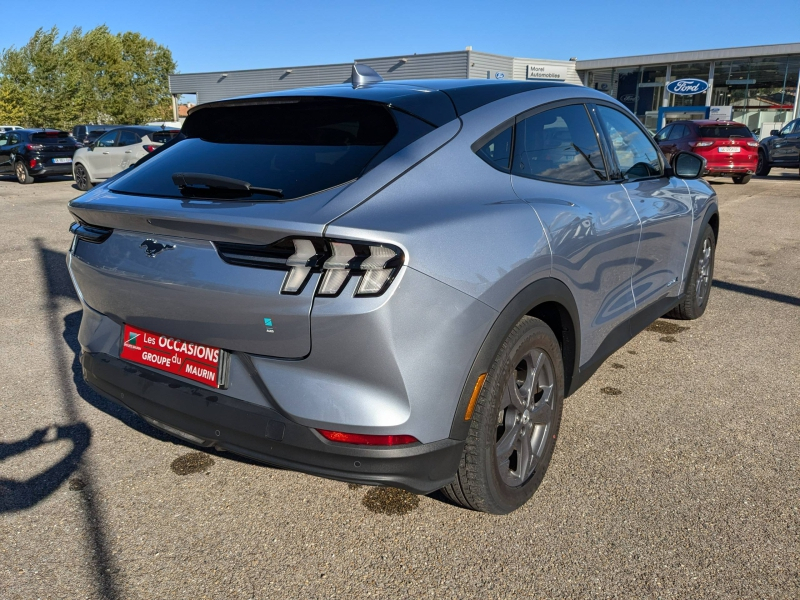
[299,146]
[725,131]
[52,137]
[161,137]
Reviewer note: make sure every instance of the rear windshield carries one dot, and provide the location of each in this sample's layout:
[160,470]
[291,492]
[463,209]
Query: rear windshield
[161,137]
[297,145]
[53,138]
[725,131]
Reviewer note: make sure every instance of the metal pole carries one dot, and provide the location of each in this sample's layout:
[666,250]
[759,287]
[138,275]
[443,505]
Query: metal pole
[796,98]
[174,107]
[710,91]
[665,101]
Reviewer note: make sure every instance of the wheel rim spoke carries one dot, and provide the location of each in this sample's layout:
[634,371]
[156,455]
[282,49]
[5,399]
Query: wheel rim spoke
[526,414]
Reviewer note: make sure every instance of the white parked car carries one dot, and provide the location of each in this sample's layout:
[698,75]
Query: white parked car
[4,128]
[115,151]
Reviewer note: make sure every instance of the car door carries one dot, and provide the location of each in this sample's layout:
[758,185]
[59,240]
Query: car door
[124,153]
[788,145]
[662,138]
[781,144]
[5,165]
[592,228]
[99,159]
[663,204]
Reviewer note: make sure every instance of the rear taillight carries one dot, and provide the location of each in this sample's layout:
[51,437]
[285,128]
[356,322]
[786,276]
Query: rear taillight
[753,144]
[149,147]
[703,144]
[336,260]
[34,146]
[33,162]
[368,440]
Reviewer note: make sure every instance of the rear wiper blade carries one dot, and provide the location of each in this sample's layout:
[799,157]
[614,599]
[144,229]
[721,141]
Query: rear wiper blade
[198,184]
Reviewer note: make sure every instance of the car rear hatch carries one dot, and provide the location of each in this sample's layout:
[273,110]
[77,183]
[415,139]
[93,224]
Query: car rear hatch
[53,147]
[207,262]
[726,144]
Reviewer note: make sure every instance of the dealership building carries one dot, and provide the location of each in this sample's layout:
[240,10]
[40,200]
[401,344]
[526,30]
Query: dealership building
[754,85]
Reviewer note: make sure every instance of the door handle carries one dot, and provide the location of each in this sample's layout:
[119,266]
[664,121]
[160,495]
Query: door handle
[127,151]
[105,152]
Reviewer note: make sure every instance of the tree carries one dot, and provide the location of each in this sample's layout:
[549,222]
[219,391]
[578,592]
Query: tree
[96,77]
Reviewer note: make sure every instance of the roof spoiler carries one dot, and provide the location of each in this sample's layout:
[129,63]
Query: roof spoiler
[362,75]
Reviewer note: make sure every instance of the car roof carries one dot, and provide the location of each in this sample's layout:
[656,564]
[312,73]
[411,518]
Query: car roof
[437,101]
[40,130]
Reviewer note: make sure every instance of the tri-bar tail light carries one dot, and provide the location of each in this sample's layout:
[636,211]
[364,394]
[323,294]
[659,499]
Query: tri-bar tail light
[375,265]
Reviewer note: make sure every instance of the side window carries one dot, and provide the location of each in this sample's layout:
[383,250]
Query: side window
[3,139]
[559,144]
[127,138]
[497,151]
[13,139]
[664,133]
[107,141]
[678,132]
[637,157]
[788,128]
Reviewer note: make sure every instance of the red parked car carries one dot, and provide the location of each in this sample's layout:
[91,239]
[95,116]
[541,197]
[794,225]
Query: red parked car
[729,147]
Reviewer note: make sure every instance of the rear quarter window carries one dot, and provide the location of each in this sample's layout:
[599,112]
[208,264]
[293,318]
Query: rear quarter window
[300,146]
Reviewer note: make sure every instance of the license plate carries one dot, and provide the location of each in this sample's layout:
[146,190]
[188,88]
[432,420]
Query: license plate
[62,160]
[179,357]
[730,149]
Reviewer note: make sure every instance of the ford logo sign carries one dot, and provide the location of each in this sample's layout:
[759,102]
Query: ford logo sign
[499,75]
[687,87]
[628,99]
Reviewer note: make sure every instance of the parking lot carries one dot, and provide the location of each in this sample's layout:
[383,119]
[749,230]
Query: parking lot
[676,475]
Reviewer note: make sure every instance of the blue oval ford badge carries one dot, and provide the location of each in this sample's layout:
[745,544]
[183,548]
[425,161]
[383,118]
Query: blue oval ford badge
[687,87]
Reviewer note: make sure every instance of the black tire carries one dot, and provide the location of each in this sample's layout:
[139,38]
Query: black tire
[481,483]
[740,179]
[21,171]
[762,167]
[696,296]
[82,178]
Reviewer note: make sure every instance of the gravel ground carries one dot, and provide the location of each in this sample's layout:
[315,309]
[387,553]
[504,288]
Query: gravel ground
[676,474]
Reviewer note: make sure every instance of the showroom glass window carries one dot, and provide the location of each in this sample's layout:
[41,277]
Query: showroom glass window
[560,145]
[636,155]
[689,71]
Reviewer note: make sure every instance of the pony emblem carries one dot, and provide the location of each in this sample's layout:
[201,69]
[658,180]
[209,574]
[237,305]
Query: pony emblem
[153,247]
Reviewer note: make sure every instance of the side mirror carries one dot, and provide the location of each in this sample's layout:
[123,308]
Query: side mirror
[775,132]
[688,165]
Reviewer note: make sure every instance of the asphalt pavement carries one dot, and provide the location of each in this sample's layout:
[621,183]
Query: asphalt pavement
[676,475]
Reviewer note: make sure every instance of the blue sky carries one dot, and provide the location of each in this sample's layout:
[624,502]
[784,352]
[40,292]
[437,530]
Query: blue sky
[247,34]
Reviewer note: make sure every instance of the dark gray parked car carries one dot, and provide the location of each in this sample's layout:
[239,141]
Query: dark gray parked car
[387,283]
[780,149]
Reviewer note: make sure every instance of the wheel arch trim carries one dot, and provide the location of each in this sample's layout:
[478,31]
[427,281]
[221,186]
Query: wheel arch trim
[546,291]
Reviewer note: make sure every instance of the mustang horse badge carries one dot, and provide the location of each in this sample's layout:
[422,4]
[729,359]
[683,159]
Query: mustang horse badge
[153,247]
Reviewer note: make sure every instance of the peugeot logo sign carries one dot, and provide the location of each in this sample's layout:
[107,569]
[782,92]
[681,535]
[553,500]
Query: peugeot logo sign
[687,87]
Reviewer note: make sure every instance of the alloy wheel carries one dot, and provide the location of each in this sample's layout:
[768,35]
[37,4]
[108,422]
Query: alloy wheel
[20,171]
[525,418]
[81,177]
[704,272]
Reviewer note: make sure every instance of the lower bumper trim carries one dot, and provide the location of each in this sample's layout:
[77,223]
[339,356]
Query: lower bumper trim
[208,418]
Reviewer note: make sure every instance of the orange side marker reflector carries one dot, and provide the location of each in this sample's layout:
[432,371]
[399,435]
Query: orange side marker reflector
[474,400]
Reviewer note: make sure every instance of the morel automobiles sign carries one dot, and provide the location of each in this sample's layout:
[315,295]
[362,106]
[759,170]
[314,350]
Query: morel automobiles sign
[687,87]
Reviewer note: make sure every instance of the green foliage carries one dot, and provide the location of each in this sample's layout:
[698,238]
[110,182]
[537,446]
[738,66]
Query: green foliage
[96,77]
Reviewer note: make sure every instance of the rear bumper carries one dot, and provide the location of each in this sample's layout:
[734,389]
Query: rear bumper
[265,435]
[51,169]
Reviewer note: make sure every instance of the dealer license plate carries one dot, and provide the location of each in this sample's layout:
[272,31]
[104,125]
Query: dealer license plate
[730,149]
[62,160]
[205,364]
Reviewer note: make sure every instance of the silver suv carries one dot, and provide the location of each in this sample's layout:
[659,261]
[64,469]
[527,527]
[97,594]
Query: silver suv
[390,283]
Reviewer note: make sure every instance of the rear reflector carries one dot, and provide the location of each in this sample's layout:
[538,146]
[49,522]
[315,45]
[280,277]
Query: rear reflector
[368,440]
